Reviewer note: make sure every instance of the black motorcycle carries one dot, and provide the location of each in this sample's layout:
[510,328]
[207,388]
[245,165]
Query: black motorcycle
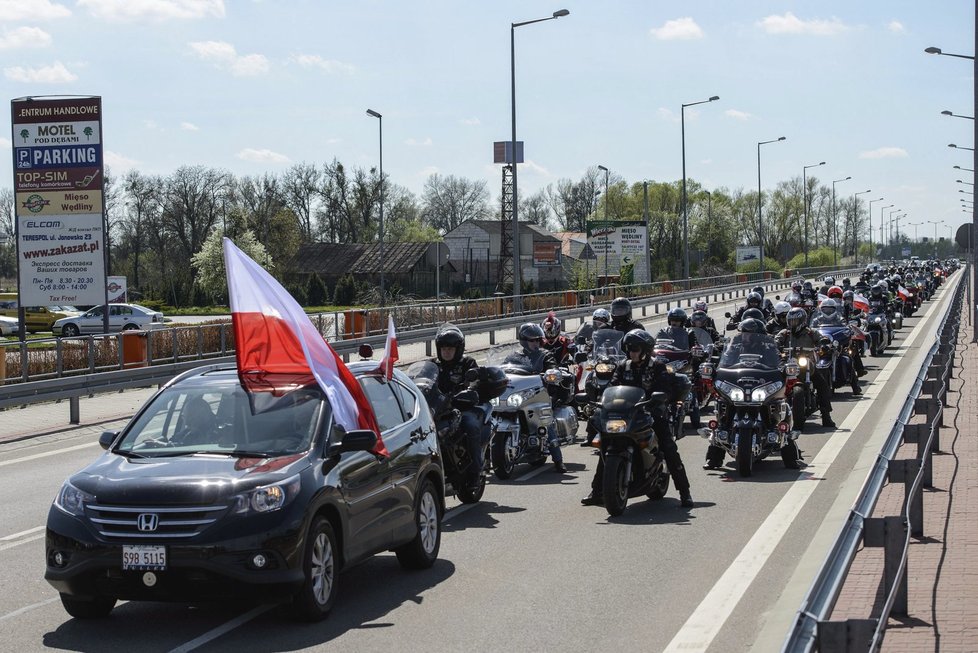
[633,462]
[754,417]
[485,384]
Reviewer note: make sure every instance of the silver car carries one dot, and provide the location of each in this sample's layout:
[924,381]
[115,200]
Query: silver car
[122,317]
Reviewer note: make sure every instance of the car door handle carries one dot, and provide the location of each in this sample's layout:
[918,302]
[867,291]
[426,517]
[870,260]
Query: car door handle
[418,435]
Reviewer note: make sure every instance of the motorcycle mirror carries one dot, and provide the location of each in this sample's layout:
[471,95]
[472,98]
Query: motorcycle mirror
[777,297]
[727,314]
[580,357]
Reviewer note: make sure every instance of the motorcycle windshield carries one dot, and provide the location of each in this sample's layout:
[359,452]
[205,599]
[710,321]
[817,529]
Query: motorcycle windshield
[757,351]
[606,343]
[425,376]
[822,320]
[703,338]
[512,359]
[672,340]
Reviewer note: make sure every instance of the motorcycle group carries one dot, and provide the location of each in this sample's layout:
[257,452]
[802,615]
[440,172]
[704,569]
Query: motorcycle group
[778,364]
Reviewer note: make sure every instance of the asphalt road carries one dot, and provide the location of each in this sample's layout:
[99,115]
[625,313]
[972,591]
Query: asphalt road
[528,568]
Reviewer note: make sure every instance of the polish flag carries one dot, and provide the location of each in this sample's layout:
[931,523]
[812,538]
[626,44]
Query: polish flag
[390,350]
[274,338]
[903,293]
[860,302]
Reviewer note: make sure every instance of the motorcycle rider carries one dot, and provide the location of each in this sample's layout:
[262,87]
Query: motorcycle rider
[828,314]
[767,306]
[641,371]
[676,328]
[776,323]
[621,316]
[555,341]
[797,334]
[600,319]
[754,300]
[452,368]
[531,337]
[850,312]
[827,283]
[703,307]
[700,320]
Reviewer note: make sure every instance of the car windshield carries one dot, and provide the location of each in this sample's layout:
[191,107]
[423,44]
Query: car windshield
[219,417]
[607,342]
[751,351]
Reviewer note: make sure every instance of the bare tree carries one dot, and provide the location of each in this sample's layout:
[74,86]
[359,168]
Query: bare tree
[447,202]
[262,200]
[536,210]
[300,188]
[574,202]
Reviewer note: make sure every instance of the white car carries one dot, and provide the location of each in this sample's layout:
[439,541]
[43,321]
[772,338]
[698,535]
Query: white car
[122,317]
[8,326]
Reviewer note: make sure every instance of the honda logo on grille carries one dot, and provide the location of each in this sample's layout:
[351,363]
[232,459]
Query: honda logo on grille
[147,522]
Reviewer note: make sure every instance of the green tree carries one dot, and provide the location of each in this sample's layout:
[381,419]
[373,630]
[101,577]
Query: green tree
[88,132]
[316,292]
[345,293]
[209,261]
[24,134]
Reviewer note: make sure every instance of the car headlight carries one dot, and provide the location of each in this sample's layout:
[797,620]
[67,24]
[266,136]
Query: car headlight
[615,426]
[267,498]
[72,500]
[517,398]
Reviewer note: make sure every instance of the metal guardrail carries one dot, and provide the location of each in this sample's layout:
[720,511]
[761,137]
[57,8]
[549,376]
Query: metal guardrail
[812,628]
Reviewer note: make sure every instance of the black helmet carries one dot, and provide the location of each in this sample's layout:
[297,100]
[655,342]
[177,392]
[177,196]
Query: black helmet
[752,314]
[638,340]
[621,310]
[829,280]
[450,335]
[807,285]
[755,300]
[491,383]
[698,319]
[530,331]
[794,299]
[875,291]
[676,317]
[848,297]
[846,282]
[759,290]
[797,319]
[752,325]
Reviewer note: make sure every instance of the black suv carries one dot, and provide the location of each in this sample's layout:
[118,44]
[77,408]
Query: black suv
[211,492]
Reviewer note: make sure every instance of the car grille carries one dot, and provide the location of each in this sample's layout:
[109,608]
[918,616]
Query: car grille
[170,521]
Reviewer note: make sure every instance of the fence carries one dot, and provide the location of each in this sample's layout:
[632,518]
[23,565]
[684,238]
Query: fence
[812,628]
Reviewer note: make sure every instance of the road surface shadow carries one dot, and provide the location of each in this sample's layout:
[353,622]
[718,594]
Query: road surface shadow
[479,516]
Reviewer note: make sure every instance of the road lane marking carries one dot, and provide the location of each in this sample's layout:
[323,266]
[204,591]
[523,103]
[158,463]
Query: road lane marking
[702,627]
[27,608]
[224,628]
[22,533]
[48,453]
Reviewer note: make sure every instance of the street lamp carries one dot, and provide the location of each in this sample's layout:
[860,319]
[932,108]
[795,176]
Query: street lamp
[760,221]
[804,194]
[935,223]
[855,221]
[889,225]
[835,228]
[914,225]
[933,50]
[517,288]
[965,169]
[956,115]
[869,212]
[605,223]
[882,238]
[380,127]
[961,147]
[964,182]
[682,120]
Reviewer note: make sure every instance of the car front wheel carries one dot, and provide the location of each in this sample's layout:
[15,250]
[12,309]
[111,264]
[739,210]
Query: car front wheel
[70,330]
[422,551]
[321,566]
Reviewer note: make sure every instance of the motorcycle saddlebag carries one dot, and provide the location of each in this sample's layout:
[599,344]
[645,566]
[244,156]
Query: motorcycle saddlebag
[491,383]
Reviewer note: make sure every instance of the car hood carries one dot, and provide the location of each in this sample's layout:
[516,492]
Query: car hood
[196,479]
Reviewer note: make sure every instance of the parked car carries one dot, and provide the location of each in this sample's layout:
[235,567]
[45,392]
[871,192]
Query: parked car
[37,318]
[8,326]
[122,317]
[209,494]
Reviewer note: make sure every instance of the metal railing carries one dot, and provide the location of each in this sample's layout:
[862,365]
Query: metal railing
[813,628]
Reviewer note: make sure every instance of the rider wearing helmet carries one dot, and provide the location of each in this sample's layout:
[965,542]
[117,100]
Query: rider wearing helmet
[797,334]
[827,282]
[640,370]
[776,323]
[600,319]
[554,340]
[766,306]
[621,315]
[703,307]
[754,300]
[453,365]
[835,292]
[700,320]
[531,336]
[828,313]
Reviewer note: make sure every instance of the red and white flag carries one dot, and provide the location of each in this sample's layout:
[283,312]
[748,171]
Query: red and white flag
[860,302]
[903,293]
[274,336]
[390,351]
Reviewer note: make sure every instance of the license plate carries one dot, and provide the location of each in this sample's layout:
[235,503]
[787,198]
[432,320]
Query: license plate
[142,557]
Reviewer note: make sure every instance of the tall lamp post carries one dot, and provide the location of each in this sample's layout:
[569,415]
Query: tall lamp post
[760,220]
[961,147]
[914,225]
[935,223]
[606,223]
[804,201]
[380,127]
[855,221]
[517,281]
[682,120]
[889,225]
[835,228]
[882,238]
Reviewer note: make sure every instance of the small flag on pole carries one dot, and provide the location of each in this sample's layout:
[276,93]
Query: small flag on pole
[390,350]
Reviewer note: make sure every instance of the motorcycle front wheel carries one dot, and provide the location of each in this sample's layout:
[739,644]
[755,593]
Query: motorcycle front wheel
[745,454]
[615,485]
[473,494]
[502,463]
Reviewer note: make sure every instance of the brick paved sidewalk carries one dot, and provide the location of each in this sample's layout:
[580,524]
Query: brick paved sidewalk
[942,567]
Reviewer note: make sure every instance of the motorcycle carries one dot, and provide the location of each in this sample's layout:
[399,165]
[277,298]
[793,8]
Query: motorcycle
[633,462]
[755,419]
[799,367]
[532,403]
[598,368]
[702,392]
[672,349]
[878,328]
[485,384]
[833,353]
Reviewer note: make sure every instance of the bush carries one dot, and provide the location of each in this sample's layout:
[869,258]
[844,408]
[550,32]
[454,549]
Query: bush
[299,293]
[770,264]
[472,293]
[345,293]
[316,292]
[153,304]
[819,258]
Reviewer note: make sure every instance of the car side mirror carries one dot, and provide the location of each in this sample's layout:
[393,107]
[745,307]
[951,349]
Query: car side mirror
[358,440]
[107,438]
[580,357]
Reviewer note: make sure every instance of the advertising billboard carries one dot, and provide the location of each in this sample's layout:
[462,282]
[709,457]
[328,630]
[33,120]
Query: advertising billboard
[58,186]
[619,243]
[546,255]
[748,254]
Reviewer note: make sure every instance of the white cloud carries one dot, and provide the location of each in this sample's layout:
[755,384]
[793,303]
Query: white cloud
[536,168]
[24,37]
[189,126]
[884,153]
[223,55]
[331,66]
[56,73]
[262,156]
[13,10]
[896,27]
[414,142]
[791,24]
[4,142]
[738,115]
[667,114]
[681,29]
[472,122]
[119,162]
[427,171]
[157,10]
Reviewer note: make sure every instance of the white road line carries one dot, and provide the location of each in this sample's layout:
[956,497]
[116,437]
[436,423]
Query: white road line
[224,628]
[26,608]
[22,533]
[48,453]
[702,627]
[10,545]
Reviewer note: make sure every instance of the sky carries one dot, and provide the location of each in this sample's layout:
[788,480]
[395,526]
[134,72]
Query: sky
[253,86]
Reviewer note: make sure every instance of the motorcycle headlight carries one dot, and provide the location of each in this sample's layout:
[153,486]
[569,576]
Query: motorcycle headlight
[604,368]
[551,376]
[72,500]
[615,426]
[494,401]
[765,391]
[266,498]
[706,369]
[791,369]
[517,398]
[736,394]
[671,368]
[803,361]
